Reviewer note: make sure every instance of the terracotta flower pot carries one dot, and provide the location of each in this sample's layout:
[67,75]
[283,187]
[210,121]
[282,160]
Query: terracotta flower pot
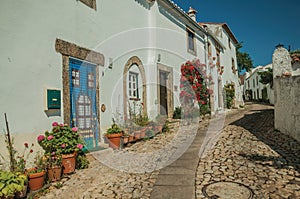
[114,140]
[125,139]
[69,163]
[36,180]
[131,138]
[54,173]
[143,132]
[137,135]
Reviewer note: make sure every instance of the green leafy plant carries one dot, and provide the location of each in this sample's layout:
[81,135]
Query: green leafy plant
[149,133]
[229,91]
[11,183]
[193,86]
[177,113]
[40,164]
[114,129]
[53,159]
[82,161]
[62,139]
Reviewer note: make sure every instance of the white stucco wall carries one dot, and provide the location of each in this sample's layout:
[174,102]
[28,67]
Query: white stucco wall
[30,63]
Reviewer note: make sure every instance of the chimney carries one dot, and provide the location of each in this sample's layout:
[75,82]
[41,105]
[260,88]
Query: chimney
[192,13]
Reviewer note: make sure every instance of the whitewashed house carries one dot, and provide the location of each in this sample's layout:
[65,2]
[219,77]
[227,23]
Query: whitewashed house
[85,62]
[254,90]
[226,61]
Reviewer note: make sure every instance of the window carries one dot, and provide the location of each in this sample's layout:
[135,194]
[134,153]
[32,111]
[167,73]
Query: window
[191,41]
[233,66]
[256,80]
[75,78]
[133,85]
[218,58]
[84,112]
[91,80]
[229,43]
[248,84]
[253,83]
[209,49]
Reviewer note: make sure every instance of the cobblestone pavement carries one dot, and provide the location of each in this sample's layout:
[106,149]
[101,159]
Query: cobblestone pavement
[250,152]
[101,181]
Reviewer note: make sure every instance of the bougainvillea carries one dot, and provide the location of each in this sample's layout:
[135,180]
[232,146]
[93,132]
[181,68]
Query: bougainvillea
[193,84]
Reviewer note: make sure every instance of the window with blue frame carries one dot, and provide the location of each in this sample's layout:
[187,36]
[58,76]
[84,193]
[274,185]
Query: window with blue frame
[133,85]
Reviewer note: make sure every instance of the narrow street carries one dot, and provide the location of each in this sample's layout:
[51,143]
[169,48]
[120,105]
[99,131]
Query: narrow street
[249,160]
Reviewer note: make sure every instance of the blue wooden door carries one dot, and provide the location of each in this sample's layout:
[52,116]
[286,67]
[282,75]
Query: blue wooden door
[83,100]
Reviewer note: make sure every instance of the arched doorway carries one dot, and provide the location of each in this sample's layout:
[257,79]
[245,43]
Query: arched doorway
[134,84]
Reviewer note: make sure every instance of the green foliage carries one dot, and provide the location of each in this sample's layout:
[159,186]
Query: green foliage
[244,60]
[10,183]
[62,140]
[165,128]
[177,113]
[19,160]
[266,77]
[229,91]
[193,86]
[114,129]
[149,133]
[82,161]
[204,109]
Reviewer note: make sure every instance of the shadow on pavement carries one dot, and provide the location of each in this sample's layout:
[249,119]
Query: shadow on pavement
[261,124]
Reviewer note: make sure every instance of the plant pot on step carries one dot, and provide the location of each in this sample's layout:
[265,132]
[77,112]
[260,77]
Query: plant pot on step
[125,139]
[137,135]
[69,163]
[114,140]
[54,173]
[131,138]
[36,180]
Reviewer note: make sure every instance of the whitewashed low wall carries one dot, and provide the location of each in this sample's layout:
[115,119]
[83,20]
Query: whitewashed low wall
[287,103]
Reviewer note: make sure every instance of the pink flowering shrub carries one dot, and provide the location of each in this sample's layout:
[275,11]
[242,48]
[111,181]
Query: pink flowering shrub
[61,140]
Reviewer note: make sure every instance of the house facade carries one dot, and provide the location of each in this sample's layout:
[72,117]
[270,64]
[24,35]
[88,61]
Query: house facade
[85,62]
[254,90]
[225,56]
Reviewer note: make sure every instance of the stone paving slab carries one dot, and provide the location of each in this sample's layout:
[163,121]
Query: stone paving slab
[177,170]
[175,179]
[173,192]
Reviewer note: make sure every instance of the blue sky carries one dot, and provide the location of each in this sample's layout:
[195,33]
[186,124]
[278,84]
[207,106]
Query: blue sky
[260,24]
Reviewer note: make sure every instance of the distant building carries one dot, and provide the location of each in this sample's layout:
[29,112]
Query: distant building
[254,90]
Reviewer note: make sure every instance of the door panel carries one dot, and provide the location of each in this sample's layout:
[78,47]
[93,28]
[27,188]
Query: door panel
[163,91]
[83,100]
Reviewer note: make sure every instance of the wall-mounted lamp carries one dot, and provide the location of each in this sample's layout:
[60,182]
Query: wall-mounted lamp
[158,57]
[110,63]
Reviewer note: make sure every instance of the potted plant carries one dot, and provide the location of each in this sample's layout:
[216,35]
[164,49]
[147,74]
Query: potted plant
[125,138]
[66,141]
[114,134]
[11,184]
[36,175]
[54,166]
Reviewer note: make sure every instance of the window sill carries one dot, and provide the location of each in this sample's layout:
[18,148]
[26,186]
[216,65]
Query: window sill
[192,52]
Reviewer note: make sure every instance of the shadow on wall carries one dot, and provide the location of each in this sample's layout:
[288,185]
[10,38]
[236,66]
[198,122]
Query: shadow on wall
[287,147]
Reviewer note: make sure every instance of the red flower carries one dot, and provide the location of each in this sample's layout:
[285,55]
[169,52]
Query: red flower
[26,144]
[31,151]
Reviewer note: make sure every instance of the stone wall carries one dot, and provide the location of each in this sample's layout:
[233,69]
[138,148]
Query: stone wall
[286,93]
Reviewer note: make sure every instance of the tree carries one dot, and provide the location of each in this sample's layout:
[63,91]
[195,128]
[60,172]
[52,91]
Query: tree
[266,77]
[244,60]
